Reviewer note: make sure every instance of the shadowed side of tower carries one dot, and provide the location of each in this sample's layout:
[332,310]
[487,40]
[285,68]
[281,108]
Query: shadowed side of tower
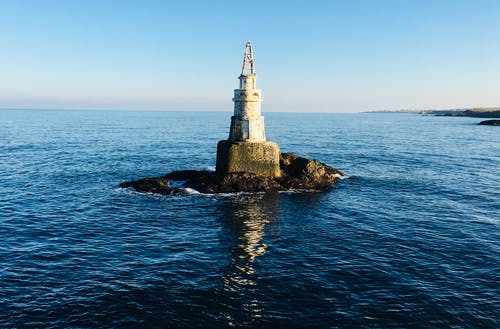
[246,149]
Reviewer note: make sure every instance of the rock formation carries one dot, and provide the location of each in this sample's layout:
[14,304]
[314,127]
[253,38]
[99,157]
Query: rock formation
[296,173]
[490,123]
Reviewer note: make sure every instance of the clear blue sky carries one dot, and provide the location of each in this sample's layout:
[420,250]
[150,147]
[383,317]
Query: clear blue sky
[338,56]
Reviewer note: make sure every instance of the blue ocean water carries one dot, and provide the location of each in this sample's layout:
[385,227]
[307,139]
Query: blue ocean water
[410,240]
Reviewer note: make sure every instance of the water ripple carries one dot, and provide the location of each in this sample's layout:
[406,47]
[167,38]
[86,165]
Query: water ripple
[409,240]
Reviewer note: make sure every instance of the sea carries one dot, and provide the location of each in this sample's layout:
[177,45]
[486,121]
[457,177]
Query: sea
[410,239]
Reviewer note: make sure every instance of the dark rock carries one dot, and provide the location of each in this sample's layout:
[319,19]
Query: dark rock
[302,173]
[158,185]
[186,174]
[205,182]
[490,123]
[210,182]
[296,173]
[248,182]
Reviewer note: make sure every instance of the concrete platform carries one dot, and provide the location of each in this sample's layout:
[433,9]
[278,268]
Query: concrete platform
[260,158]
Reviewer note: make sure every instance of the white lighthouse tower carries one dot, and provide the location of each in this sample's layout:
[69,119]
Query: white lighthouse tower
[247,150]
[247,124]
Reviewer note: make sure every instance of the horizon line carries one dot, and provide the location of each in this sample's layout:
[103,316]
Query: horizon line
[159,110]
[218,110]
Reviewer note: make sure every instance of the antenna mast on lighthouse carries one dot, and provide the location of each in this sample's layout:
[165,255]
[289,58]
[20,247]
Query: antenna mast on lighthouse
[248,60]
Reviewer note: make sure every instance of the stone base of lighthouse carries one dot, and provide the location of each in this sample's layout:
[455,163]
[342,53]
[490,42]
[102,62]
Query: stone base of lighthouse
[260,158]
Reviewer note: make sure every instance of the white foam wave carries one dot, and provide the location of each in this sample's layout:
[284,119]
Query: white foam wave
[191,191]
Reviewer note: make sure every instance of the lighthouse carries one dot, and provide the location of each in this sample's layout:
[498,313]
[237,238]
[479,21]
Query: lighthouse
[247,123]
[246,149]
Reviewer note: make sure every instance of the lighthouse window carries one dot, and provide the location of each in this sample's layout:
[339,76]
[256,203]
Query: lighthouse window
[256,94]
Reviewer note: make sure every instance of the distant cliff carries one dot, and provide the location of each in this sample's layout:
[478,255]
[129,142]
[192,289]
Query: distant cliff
[490,112]
[479,112]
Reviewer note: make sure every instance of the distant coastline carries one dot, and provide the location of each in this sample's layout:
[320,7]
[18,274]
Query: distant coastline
[478,112]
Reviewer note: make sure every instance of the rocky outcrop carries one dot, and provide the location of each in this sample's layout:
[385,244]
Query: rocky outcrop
[157,185]
[301,173]
[295,173]
[233,182]
[490,123]
[493,112]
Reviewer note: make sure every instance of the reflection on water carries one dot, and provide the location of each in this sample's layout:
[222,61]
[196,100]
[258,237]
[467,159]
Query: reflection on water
[246,216]
[252,220]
